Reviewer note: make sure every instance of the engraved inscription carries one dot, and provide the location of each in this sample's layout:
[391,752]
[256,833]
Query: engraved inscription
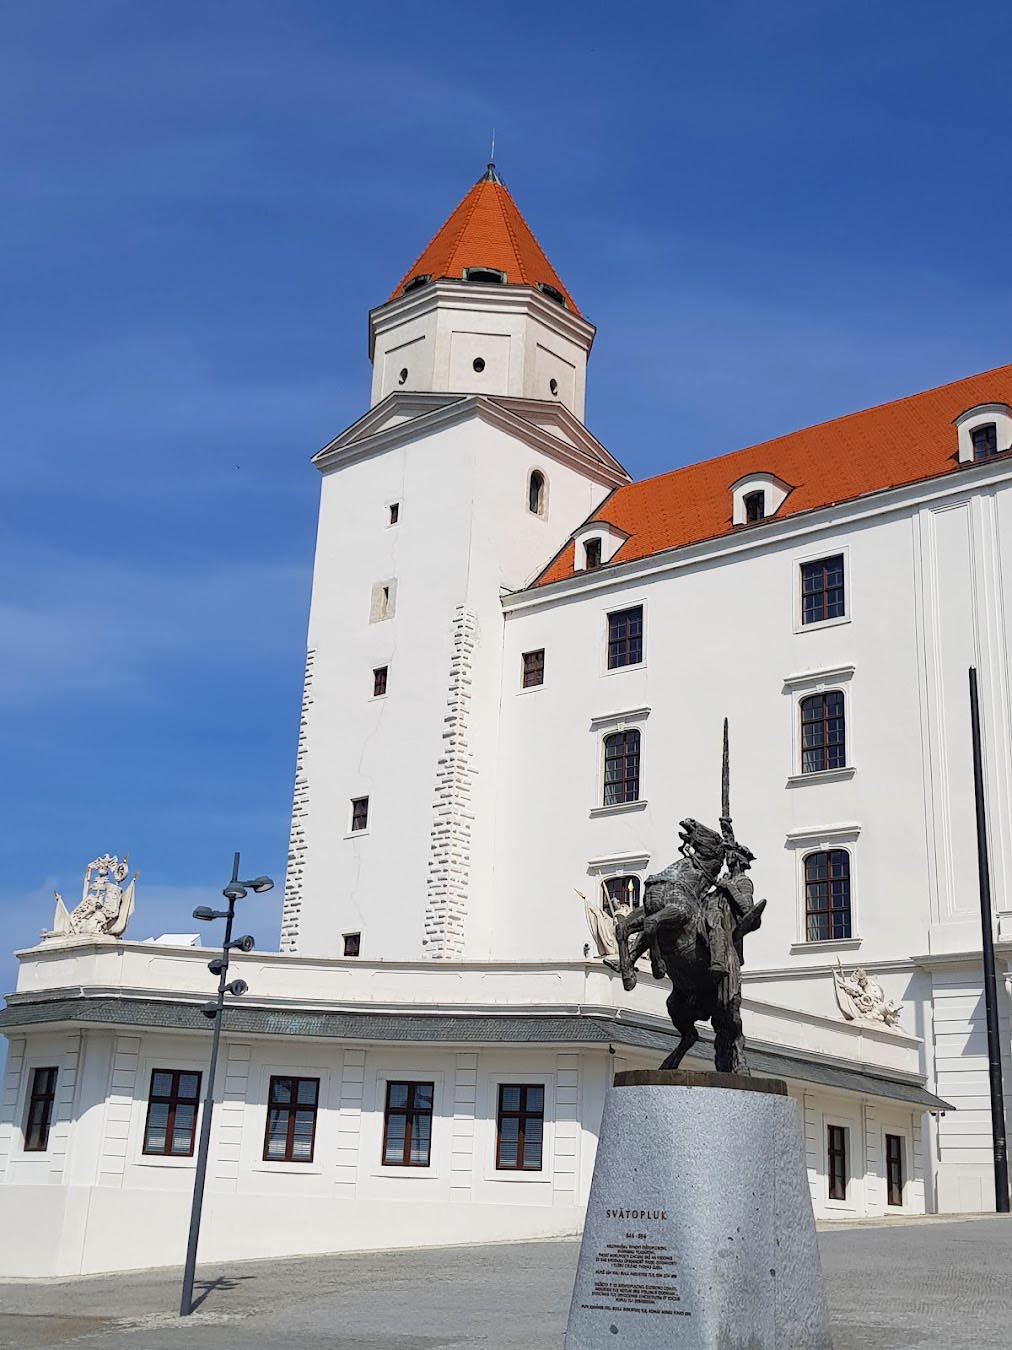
[637,1272]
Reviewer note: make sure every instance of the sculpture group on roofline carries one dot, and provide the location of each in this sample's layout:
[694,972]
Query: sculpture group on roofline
[105,906]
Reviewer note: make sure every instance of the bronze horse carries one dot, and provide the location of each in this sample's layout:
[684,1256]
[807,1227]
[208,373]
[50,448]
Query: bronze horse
[692,921]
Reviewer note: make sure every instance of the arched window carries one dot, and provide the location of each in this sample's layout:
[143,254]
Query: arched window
[620,891]
[827,895]
[622,767]
[536,494]
[823,732]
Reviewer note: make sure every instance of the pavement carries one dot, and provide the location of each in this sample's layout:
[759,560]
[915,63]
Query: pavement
[900,1285]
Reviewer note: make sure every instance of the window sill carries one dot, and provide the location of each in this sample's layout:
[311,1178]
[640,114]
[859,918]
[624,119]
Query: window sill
[165,1160]
[619,808]
[850,944]
[620,670]
[822,776]
[310,1169]
[356,834]
[530,688]
[800,627]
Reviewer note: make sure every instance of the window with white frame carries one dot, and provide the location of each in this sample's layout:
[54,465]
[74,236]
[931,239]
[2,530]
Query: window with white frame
[822,590]
[621,767]
[823,731]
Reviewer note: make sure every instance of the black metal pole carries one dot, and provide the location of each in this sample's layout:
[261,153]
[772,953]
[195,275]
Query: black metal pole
[185,1306]
[1001,1192]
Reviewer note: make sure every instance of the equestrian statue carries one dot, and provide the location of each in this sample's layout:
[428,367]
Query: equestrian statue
[693,922]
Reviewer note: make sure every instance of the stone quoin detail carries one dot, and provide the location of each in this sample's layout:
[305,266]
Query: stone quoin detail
[291,909]
[452,815]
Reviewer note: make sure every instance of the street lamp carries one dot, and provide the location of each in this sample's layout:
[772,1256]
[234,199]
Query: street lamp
[235,890]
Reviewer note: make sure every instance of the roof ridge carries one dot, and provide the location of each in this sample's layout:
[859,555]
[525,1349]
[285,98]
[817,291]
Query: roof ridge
[514,242]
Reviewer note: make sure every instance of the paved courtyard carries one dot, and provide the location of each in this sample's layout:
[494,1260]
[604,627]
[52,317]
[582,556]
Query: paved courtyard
[903,1286]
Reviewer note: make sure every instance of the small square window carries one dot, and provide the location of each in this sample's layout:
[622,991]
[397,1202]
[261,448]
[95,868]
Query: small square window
[379,681]
[395,511]
[359,813]
[352,944]
[534,668]
[625,637]
[822,594]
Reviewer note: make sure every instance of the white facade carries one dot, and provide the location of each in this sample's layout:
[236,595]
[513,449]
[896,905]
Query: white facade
[448,818]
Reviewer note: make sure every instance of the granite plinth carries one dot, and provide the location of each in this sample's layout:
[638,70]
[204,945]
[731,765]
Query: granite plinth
[699,1231]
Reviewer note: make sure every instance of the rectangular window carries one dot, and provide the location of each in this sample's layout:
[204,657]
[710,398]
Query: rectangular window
[625,637]
[379,681]
[407,1124]
[837,1161]
[520,1127]
[755,507]
[172,1113]
[592,554]
[359,813]
[382,601]
[622,767]
[823,732]
[822,590]
[39,1115]
[894,1168]
[534,668]
[985,441]
[291,1119]
[352,943]
[827,895]
[395,512]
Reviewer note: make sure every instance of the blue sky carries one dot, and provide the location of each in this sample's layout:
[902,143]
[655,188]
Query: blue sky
[773,213]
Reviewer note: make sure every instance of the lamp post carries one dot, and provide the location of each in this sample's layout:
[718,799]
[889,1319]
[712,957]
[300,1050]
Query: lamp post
[235,890]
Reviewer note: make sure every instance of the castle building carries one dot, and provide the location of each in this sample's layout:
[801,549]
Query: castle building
[518,666]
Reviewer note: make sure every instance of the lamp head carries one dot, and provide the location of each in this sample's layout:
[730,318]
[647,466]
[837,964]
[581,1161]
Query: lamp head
[234,891]
[261,884]
[205,913]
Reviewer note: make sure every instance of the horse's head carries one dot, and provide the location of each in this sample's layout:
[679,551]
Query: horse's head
[701,843]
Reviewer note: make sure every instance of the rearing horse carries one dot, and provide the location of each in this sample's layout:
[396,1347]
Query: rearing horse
[684,922]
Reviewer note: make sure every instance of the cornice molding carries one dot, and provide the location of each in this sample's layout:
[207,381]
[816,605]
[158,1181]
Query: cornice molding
[466,295]
[357,442]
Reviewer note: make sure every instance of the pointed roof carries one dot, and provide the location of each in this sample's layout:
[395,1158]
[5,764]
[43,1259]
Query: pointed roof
[487,230]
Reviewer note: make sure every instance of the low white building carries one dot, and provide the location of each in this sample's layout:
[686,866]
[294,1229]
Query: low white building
[518,667]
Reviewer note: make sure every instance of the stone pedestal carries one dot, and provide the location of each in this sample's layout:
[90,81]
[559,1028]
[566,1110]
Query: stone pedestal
[699,1232]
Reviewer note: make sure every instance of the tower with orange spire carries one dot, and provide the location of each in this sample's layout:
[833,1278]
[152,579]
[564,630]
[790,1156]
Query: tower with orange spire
[470,470]
[482,310]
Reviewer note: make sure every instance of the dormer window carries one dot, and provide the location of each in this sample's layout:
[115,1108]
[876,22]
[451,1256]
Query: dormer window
[592,554]
[984,440]
[487,276]
[757,496]
[536,493]
[552,292]
[984,432]
[416,282]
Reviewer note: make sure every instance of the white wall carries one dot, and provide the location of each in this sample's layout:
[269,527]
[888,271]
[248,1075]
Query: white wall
[464,533]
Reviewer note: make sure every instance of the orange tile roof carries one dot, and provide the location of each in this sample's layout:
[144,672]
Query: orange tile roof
[486,230]
[884,447]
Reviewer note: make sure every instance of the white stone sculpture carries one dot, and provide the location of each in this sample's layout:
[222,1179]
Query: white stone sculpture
[105,905]
[601,922]
[862,998]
